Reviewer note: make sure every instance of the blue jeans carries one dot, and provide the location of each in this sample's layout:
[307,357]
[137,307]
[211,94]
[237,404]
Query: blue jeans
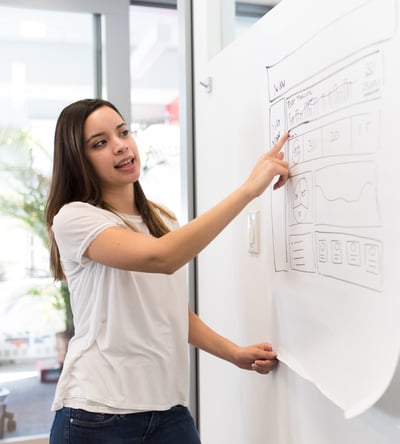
[75,426]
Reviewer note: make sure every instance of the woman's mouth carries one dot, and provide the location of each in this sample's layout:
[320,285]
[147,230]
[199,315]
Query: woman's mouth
[125,163]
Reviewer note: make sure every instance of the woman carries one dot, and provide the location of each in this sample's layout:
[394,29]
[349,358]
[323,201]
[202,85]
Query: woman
[125,376]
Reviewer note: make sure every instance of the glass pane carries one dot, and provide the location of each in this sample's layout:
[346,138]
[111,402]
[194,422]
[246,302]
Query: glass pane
[46,63]
[247,13]
[154,97]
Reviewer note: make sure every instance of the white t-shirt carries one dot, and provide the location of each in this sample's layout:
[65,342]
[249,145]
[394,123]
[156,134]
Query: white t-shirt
[130,349]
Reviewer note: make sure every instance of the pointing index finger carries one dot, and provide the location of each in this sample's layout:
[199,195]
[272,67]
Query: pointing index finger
[276,148]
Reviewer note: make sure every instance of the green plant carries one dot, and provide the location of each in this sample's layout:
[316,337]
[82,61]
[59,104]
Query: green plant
[24,199]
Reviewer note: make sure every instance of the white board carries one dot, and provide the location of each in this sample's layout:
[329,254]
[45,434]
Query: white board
[327,71]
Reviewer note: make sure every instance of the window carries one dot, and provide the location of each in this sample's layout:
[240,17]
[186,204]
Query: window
[47,61]
[246,14]
[154,101]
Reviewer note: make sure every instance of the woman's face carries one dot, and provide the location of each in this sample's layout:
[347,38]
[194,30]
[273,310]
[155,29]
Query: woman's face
[110,148]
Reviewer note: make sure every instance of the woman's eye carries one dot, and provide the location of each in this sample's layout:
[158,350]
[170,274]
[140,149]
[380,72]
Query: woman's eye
[99,144]
[125,132]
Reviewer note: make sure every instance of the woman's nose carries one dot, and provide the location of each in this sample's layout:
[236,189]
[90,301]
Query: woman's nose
[120,146]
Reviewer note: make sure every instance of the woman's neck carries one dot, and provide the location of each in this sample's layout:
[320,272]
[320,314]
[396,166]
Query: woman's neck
[122,201]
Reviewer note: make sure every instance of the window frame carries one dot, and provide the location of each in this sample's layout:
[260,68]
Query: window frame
[116,69]
[166,4]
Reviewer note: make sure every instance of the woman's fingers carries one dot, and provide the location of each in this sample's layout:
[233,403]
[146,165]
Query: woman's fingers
[277,148]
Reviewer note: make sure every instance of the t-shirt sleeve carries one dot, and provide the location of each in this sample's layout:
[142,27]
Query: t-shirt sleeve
[76,225]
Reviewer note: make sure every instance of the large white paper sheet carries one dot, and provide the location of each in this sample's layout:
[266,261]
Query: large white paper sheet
[333,81]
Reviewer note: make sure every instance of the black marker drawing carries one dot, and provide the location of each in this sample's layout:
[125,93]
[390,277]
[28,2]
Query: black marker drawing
[331,224]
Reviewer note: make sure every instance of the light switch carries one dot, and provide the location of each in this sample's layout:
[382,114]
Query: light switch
[253,232]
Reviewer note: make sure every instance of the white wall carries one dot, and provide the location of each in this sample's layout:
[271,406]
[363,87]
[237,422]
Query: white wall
[238,407]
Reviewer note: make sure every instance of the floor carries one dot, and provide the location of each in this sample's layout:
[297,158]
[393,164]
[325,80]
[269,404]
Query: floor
[29,399]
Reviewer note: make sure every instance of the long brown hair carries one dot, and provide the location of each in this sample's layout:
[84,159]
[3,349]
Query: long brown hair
[74,179]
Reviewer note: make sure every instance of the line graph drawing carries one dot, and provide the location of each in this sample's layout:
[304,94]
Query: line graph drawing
[350,202]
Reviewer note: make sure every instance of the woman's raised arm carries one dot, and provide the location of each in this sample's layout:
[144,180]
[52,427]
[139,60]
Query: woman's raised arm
[125,249]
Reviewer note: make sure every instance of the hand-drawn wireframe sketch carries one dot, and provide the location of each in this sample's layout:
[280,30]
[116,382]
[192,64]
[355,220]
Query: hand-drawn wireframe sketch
[333,225]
